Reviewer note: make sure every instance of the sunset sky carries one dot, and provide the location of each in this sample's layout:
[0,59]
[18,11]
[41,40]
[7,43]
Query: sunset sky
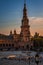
[11,12]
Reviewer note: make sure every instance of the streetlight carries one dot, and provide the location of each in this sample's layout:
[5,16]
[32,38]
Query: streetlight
[29,57]
[29,60]
[37,59]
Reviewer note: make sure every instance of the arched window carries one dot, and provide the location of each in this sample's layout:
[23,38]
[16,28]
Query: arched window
[0,45]
[3,45]
[9,45]
[6,45]
[12,45]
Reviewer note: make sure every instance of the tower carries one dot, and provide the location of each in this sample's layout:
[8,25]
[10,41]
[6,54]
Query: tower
[25,27]
[11,32]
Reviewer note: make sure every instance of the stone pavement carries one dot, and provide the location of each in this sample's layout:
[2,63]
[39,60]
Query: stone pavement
[17,62]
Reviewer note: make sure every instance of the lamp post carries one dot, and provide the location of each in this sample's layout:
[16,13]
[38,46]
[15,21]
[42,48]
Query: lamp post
[29,60]
[29,57]
[37,59]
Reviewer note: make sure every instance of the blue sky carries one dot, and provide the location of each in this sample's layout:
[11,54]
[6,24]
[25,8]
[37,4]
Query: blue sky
[11,14]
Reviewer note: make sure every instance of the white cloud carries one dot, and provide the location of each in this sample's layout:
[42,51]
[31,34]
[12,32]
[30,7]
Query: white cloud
[36,25]
[35,20]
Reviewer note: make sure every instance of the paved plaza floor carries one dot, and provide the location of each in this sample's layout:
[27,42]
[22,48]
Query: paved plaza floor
[17,62]
[4,61]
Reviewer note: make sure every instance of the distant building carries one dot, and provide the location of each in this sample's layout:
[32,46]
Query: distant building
[38,42]
[18,40]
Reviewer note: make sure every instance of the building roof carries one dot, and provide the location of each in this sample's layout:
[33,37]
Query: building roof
[2,36]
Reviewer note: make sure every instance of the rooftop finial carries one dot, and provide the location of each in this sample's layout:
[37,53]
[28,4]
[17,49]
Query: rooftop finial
[24,1]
